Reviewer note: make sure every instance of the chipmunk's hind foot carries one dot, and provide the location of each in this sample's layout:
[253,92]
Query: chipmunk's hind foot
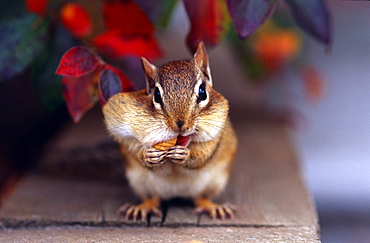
[150,207]
[214,210]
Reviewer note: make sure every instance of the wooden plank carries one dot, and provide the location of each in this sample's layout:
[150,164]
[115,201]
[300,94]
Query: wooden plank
[43,200]
[83,150]
[265,186]
[155,234]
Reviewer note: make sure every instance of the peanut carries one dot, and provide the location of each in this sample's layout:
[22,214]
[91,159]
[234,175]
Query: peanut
[166,144]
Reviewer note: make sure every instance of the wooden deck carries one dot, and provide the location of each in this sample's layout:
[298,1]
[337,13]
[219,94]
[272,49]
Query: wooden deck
[74,195]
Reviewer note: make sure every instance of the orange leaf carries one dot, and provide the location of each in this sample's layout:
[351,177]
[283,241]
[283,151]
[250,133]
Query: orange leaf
[76,19]
[276,48]
[37,6]
[313,83]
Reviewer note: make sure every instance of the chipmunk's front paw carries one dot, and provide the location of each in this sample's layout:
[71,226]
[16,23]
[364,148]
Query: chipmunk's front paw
[178,154]
[154,157]
[141,211]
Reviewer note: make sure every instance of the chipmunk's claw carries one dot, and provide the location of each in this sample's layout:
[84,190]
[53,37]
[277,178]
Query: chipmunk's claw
[154,157]
[214,210]
[140,212]
[178,154]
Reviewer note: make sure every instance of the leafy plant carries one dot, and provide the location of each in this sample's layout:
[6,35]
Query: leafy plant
[40,31]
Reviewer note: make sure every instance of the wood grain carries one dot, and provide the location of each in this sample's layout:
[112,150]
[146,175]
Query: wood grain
[154,234]
[266,187]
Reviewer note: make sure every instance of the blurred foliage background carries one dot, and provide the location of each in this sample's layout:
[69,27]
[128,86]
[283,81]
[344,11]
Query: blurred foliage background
[36,33]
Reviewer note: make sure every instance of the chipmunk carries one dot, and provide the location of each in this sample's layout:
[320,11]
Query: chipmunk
[178,105]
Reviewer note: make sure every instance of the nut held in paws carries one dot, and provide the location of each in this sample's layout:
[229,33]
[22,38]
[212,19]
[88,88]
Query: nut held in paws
[166,144]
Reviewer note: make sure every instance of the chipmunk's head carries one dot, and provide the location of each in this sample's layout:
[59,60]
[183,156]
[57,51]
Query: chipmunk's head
[181,92]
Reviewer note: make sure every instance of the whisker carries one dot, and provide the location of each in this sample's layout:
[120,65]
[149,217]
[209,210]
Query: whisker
[208,123]
[208,134]
[146,127]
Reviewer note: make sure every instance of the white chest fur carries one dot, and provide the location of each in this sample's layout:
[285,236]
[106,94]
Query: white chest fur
[175,181]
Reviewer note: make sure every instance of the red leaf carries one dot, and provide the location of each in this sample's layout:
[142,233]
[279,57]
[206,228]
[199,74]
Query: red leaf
[80,93]
[37,6]
[115,44]
[209,20]
[76,19]
[127,17]
[248,15]
[78,61]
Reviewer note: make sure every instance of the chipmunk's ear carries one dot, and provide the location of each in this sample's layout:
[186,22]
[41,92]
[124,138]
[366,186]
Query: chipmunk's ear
[201,60]
[150,72]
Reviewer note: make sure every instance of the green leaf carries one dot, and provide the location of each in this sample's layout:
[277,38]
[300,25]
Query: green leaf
[164,17]
[47,84]
[159,12]
[242,50]
[7,9]
[313,17]
[21,39]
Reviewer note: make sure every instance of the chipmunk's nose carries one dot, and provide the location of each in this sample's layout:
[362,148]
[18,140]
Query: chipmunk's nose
[180,124]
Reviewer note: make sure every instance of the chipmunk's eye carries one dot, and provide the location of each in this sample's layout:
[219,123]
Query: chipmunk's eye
[157,96]
[202,93]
